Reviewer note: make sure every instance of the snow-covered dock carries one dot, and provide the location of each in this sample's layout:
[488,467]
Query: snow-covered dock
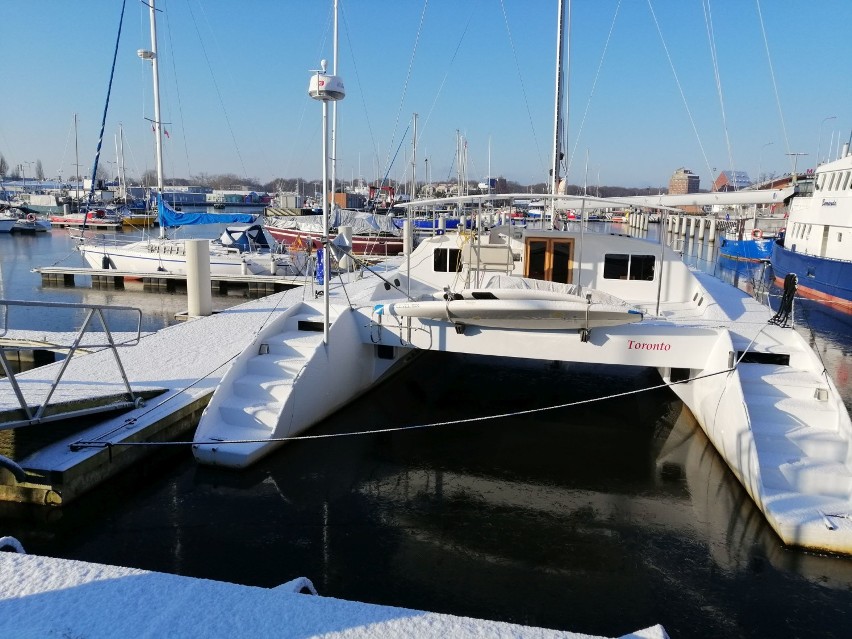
[181,365]
[47,597]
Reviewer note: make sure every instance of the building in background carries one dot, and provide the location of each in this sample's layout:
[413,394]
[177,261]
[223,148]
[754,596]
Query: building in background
[683,181]
[732,181]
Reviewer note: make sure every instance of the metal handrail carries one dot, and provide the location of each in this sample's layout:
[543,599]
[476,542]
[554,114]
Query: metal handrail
[92,311]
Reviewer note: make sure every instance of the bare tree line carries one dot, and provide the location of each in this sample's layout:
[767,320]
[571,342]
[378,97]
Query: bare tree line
[225,181]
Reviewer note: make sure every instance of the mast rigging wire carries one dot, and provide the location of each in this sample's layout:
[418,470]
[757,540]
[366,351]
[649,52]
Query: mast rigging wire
[106,108]
[708,23]
[775,88]
[592,92]
[680,87]
[389,163]
[523,88]
[218,93]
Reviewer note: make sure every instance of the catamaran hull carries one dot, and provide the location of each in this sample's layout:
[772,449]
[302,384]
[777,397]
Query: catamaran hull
[287,380]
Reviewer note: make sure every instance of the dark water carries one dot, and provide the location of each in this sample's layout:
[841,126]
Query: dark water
[601,518]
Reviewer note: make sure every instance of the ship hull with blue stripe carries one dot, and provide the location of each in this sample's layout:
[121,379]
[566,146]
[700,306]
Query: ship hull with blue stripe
[817,242]
[819,278]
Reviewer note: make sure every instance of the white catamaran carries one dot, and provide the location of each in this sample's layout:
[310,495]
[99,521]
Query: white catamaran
[752,382]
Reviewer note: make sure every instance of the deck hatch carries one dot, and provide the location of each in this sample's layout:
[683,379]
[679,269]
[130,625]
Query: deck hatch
[308,325]
[754,357]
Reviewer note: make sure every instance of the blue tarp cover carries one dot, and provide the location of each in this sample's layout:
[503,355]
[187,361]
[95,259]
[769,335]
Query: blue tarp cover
[169,217]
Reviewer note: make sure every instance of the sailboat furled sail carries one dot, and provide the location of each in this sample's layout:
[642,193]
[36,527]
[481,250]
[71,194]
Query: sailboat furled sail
[168,217]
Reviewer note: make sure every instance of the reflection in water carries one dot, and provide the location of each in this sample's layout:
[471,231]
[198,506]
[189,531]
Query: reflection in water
[601,518]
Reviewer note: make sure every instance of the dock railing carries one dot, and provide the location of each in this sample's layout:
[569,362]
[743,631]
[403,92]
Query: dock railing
[77,342]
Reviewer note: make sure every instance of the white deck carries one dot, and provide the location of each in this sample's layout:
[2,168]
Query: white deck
[46,597]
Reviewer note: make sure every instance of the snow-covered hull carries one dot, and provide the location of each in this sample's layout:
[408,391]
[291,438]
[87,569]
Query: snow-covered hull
[286,381]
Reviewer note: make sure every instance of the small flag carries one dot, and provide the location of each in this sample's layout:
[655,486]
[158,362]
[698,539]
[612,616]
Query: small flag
[320,274]
[166,131]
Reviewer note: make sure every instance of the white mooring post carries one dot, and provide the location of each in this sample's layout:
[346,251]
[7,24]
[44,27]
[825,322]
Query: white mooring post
[199,300]
[407,237]
[345,262]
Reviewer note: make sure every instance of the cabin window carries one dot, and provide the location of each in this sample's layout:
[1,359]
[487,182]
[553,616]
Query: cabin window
[845,181]
[839,237]
[832,181]
[549,260]
[446,260]
[808,232]
[819,181]
[622,266]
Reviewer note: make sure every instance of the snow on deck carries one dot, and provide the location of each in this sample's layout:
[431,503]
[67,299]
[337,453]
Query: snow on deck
[47,597]
[188,359]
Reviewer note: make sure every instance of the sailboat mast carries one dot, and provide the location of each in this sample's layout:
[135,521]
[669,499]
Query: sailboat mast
[158,134]
[77,165]
[557,117]
[123,173]
[117,164]
[334,116]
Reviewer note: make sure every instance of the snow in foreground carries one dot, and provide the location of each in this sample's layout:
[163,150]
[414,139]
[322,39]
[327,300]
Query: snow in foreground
[47,597]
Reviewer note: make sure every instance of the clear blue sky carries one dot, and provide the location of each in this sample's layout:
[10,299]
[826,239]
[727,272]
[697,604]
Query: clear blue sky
[234,79]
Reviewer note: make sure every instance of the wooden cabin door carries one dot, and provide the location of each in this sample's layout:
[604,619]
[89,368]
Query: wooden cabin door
[549,259]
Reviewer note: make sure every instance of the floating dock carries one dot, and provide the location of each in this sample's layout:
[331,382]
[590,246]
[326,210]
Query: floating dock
[256,285]
[174,370]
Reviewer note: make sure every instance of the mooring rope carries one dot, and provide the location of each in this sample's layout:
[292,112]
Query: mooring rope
[394,429]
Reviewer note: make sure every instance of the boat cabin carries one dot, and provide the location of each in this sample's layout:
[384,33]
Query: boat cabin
[626,267]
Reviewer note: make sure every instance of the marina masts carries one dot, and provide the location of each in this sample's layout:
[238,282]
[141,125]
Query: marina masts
[158,136]
[557,118]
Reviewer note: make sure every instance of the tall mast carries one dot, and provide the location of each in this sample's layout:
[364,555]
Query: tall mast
[158,127]
[557,117]
[334,116]
[77,165]
[158,136]
[123,173]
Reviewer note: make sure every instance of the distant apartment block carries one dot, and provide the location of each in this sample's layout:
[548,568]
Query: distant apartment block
[683,181]
[731,181]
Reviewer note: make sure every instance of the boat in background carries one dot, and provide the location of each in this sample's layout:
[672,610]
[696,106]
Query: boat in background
[51,203]
[30,223]
[241,250]
[817,243]
[7,221]
[750,238]
[746,250]
[138,218]
[94,218]
[373,234]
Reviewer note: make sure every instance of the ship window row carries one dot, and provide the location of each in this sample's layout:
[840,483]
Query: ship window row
[834,181]
[801,231]
[804,231]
